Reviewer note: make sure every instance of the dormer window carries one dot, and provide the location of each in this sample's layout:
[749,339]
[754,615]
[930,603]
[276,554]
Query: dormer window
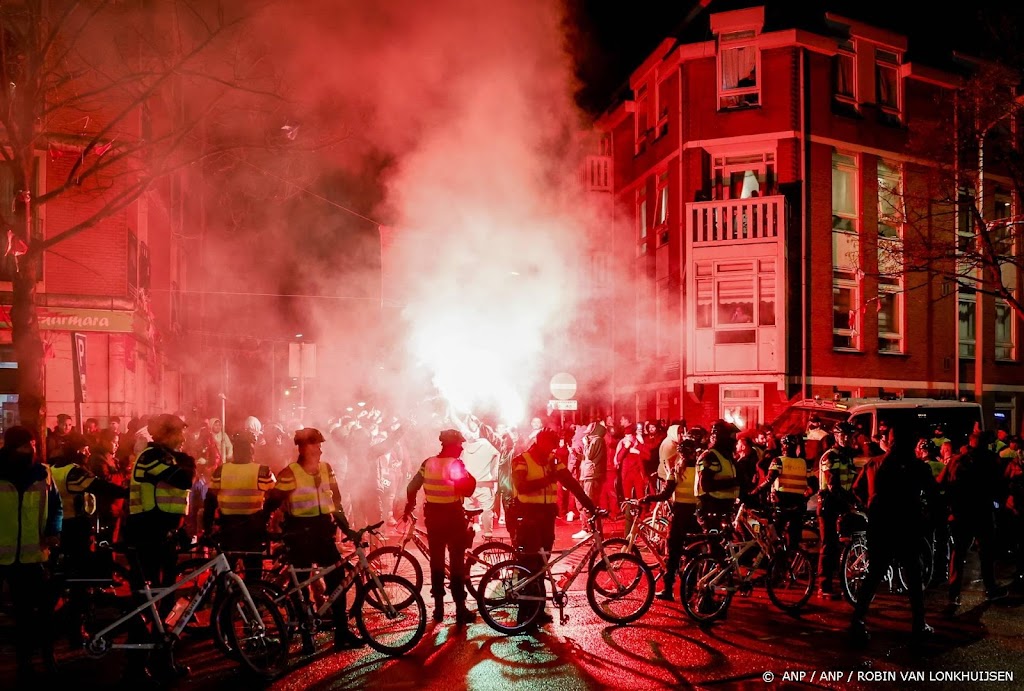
[845,73]
[739,68]
[887,81]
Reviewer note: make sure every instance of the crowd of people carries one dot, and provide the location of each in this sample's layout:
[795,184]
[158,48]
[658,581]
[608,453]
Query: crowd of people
[162,484]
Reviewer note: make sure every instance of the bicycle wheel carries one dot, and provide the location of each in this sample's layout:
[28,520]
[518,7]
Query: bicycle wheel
[395,561]
[620,588]
[656,532]
[853,568]
[388,626]
[221,620]
[258,637]
[614,545]
[706,589]
[617,547]
[791,577]
[483,557]
[502,598]
[201,623]
[926,557]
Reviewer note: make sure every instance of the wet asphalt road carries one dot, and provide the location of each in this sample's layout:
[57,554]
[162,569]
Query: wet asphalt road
[662,650]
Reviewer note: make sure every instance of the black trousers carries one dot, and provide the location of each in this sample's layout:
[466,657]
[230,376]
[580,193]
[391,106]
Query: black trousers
[829,511]
[32,604]
[536,531]
[245,534]
[310,542]
[790,522]
[966,527]
[447,535]
[892,542]
[684,522]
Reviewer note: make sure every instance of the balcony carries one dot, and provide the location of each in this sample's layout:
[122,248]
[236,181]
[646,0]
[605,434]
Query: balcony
[595,174]
[731,221]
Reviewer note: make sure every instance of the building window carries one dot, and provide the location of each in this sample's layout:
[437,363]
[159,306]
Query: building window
[641,223]
[967,325]
[890,201]
[845,73]
[666,320]
[9,262]
[743,406]
[735,298]
[1006,331]
[661,210]
[642,119]
[845,253]
[738,70]
[890,319]
[887,81]
[664,91]
[742,177]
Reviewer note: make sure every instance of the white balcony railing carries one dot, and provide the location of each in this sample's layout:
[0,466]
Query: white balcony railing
[596,174]
[756,219]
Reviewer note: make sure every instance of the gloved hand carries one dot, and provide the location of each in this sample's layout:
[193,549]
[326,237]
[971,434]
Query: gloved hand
[647,500]
[350,534]
[407,513]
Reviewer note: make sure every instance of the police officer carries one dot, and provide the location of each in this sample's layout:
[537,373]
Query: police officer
[308,493]
[236,495]
[445,483]
[717,486]
[535,476]
[158,495]
[836,472]
[792,480]
[30,523]
[679,486]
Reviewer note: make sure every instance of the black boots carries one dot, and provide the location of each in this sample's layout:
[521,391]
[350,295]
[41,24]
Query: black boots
[462,615]
[438,609]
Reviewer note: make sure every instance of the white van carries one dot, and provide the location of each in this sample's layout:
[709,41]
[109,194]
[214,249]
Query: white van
[918,416]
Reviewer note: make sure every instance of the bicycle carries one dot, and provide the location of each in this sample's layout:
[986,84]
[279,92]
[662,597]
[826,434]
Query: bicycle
[397,560]
[388,609]
[652,535]
[709,581]
[254,626]
[511,596]
[853,559]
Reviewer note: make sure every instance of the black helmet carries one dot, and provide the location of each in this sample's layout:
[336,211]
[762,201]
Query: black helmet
[695,433]
[845,427]
[721,428]
[308,435]
[451,436]
[74,443]
[686,444]
[159,426]
[793,440]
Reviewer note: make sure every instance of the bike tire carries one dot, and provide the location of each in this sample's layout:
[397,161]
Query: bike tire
[620,588]
[709,603]
[221,621]
[615,545]
[927,561]
[483,557]
[386,624]
[394,561]
[498,599]
[259,638]
[791,578]
[853,568]
[656,531]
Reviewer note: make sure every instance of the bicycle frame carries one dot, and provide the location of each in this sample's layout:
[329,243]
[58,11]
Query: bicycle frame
[221,568]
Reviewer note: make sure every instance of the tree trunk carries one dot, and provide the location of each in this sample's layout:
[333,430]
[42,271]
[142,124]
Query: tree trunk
[28,342]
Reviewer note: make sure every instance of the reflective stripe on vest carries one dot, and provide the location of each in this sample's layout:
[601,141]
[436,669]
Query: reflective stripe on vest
[548,494]
[74,498]
[142,492]
[792,477]
[22,528]
[239,493]
[685,486]
[438,487]
[312,495]
[171,499]
[839,466]
[727,472]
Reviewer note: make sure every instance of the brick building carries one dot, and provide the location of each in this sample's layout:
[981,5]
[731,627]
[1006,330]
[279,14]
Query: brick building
[756,181]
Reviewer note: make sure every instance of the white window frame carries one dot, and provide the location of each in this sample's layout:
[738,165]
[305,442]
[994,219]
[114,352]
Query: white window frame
[642,119]
[661,202]
[662,110]
[750,396]
[889,61]
[848,163]
[847,53]
[967,340]
[893,340]
[730,98]
[761,272]
[852,332]
[1006,351]
[664,320]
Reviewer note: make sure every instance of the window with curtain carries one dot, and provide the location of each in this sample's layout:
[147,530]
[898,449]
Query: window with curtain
[844,315]
[967,325]
[642,118]
[739,84]
[641,222]
[890,200]
[844,191]
[844,67]
[1006,331]
[887,80]
[890,319]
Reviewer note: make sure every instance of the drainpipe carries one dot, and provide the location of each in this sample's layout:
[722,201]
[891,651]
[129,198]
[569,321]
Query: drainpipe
[956,237]
[805,210]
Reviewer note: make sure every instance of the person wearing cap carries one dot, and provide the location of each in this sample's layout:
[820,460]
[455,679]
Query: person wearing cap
[536,474]
[237,492]
[307,491]
[445,483]
[836,473]
[678,488]
[30,524]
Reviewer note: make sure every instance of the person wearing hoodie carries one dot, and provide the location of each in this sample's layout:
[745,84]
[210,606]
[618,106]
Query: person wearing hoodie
[30,522]
[668,452]
[222,441]
[481,460]
[593,467]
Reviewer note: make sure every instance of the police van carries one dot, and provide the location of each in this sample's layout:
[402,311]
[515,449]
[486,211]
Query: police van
[918,417]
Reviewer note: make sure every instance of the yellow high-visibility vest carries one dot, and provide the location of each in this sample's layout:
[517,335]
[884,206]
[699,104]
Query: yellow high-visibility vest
[22,527]
[548,494]
[723,469]
[438,487]
[240,488]
[146,496]
[793,474]
[312,495]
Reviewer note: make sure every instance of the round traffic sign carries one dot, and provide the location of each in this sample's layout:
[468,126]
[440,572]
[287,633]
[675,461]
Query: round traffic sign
[563,386]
